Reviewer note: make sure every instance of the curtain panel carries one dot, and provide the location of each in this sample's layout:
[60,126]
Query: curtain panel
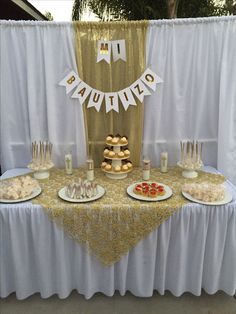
[35,56]
[194,57]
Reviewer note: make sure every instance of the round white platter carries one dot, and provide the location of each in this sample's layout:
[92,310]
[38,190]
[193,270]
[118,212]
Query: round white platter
[149,199]
[227,199]
[62,195]
[36,192]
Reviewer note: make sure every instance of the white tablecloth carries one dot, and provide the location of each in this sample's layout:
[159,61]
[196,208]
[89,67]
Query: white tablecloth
[194,249]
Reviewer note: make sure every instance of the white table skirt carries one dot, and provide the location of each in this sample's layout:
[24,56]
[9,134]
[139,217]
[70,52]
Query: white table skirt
[194,249]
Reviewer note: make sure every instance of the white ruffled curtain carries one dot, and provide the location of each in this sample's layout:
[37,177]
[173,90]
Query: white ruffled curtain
[197,60]
[35,56]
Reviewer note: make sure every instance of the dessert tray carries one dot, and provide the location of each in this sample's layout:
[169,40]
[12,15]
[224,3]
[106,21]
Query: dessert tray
[191,158]
[62,195]
[227,199]
[35,193]
[165,191]
[41,159]
[116,164]
[19,189]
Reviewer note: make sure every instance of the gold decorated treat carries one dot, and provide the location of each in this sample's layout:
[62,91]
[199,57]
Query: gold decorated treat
[123,140]
[129,165]
[121,155]
[117,168]
[106,151]
[108,167]
[126,152]
[115,140]
[104,163]
[111,154]
[125,168]
[109,139]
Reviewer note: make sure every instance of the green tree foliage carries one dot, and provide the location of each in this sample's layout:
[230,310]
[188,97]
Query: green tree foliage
[152,9]
[48,15]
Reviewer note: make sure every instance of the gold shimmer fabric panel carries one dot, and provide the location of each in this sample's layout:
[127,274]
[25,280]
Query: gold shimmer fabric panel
[112,225]
[111,78]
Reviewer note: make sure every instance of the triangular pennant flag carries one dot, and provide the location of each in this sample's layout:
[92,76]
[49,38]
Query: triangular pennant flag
[104,51]
[118,50]
[95,99]
[127,98]
[140,90]
[111,100]
[70,81]
[151,79]
[82,92]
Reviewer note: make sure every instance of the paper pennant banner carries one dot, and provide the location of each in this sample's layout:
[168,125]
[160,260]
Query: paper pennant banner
[111,100]
[95,99]
[140,90]
[104,51]
[82,92]
[151,79]
[118,50]
[127,98]
[70,81]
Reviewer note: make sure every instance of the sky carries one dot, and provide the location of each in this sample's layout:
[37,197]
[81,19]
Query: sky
[61,10]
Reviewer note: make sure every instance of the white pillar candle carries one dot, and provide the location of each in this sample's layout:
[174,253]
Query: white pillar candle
[146,169]
[164,162]
[68,163]
[90,170]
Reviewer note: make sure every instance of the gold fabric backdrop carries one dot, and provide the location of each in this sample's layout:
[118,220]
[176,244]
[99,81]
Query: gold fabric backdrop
[111,78]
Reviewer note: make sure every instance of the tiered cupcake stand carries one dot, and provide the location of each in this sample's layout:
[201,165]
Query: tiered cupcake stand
[116,161]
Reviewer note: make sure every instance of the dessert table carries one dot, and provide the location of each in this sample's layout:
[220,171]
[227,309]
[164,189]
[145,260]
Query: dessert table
[194,249]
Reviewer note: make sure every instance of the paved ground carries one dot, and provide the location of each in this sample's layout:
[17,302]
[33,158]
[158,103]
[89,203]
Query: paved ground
[219,303]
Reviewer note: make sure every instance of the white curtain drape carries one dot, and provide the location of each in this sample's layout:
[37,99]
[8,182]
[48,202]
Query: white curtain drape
[196,58]
[35,56]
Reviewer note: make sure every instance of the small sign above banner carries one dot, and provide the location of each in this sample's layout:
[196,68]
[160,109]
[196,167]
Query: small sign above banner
[127,96]
[116,46]
[104,51]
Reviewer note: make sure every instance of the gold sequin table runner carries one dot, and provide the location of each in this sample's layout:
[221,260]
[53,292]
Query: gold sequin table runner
[112,225]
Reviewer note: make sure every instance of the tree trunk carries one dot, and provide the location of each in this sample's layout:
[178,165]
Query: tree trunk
[172,8]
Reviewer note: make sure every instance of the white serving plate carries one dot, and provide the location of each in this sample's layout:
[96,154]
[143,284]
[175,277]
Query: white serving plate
[36,192]
[62,195]
[227,199]
[150,199]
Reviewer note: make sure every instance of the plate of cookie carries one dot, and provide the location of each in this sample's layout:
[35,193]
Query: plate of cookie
[19,189]
[149,191]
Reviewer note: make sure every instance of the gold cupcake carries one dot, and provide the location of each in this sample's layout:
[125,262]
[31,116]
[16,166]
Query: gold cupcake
[123,140]
[125,168]
[104,163]
[108,167]
[126,152]
[109,138]
[121,154]
[117,168]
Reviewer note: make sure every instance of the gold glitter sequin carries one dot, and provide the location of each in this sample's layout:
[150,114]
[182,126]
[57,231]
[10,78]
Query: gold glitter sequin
[112,225]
